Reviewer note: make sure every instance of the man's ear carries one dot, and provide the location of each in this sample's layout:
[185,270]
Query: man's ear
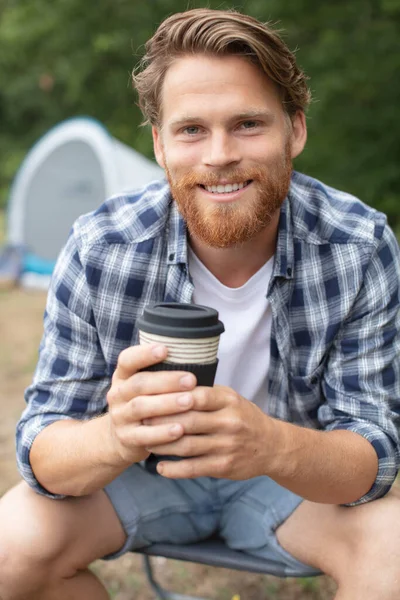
[157,145]
[299,133]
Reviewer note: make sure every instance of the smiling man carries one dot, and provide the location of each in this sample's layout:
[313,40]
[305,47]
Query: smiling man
[292,454]
[229,165]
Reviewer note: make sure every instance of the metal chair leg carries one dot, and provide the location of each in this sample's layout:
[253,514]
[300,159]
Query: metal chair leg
[160,592]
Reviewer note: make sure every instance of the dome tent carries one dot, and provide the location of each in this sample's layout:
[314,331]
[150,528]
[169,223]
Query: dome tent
[70,171]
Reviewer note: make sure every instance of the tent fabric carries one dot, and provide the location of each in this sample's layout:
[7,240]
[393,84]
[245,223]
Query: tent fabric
[70,171]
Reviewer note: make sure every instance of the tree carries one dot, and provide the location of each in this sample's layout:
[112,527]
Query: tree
[60,59]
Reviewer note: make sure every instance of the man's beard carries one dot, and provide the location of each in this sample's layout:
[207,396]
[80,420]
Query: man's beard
[222,225]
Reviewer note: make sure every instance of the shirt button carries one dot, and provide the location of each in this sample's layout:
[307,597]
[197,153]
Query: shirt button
[171,256]
[289,272]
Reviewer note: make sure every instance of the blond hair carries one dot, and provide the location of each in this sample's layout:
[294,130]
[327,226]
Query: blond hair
[218,33]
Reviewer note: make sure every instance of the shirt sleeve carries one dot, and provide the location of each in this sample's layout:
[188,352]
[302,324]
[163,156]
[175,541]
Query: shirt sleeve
[361,384]
[71,378]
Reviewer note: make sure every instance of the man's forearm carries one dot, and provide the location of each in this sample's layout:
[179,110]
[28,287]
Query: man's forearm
[333,467]
[75,458]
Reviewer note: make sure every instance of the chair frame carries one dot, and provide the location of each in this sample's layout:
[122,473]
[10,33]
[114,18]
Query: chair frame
[211,552]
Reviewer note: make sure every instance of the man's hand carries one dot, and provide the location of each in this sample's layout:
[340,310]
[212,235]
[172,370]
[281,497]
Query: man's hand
[225,435]
[136,396]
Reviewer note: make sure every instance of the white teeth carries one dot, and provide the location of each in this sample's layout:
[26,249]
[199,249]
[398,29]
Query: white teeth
[225,189]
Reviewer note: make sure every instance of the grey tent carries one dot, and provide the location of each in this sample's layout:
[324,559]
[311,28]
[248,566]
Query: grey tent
[70,171]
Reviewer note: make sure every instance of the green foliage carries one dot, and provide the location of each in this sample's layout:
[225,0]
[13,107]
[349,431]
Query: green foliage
[61,59]
[308,584]
[2,227]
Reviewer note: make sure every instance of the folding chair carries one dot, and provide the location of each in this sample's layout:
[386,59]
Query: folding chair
[211,552]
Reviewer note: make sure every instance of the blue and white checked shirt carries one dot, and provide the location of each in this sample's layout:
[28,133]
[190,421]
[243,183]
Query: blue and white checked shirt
[334,295]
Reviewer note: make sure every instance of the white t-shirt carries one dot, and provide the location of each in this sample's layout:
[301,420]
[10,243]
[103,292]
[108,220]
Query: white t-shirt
[244,350]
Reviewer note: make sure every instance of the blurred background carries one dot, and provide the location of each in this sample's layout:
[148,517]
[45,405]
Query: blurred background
[67,58]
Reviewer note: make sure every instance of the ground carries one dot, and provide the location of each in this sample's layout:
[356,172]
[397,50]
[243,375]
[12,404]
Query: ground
[20,331]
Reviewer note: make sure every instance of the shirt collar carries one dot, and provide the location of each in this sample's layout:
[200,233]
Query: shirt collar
[284,254]
[177,236]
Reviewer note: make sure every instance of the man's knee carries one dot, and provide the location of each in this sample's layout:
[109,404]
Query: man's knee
[335,538]
[30,543]
[376,527]
[372,535]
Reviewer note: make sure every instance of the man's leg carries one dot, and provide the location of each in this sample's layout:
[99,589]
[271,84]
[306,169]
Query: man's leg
[46,545]
[358,546]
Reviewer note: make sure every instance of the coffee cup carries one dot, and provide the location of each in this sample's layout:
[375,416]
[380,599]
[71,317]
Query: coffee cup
[191,333]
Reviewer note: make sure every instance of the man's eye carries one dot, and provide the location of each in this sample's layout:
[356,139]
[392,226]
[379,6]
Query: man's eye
[191,130]
[249,124]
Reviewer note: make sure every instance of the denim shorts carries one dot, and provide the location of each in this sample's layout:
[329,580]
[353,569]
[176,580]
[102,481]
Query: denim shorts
[245,514]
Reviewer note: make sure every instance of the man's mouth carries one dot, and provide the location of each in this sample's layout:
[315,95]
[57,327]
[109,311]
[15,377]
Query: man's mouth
[226,188]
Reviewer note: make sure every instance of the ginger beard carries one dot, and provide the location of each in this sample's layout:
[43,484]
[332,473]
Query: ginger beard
[223,225]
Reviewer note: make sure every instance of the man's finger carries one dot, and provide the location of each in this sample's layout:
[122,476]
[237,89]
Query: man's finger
[213,398]
[150,383]
[154,436]
[193,421]
[147,407]
[189,445]
[190,468]
[135,358]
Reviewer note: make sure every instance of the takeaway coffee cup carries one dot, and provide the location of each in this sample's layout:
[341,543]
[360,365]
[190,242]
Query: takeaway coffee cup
[191,332]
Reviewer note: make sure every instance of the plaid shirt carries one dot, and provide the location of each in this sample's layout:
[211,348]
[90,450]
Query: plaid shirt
[334,295]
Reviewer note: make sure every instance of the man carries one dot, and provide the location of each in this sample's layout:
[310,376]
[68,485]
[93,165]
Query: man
[292,454]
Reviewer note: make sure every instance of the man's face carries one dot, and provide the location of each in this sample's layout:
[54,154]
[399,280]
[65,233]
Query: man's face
[226,146]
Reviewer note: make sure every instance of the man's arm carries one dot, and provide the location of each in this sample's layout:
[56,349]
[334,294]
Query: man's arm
[355,458]
[334,467]
[75,458]
[66,441]
[228,436]
[71,378]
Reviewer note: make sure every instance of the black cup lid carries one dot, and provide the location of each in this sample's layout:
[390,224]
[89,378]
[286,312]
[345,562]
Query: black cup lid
[175,319]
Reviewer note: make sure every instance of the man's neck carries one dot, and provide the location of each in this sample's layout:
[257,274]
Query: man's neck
[234,266]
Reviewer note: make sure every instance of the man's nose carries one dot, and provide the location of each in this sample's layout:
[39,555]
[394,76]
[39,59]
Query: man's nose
[221,150]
